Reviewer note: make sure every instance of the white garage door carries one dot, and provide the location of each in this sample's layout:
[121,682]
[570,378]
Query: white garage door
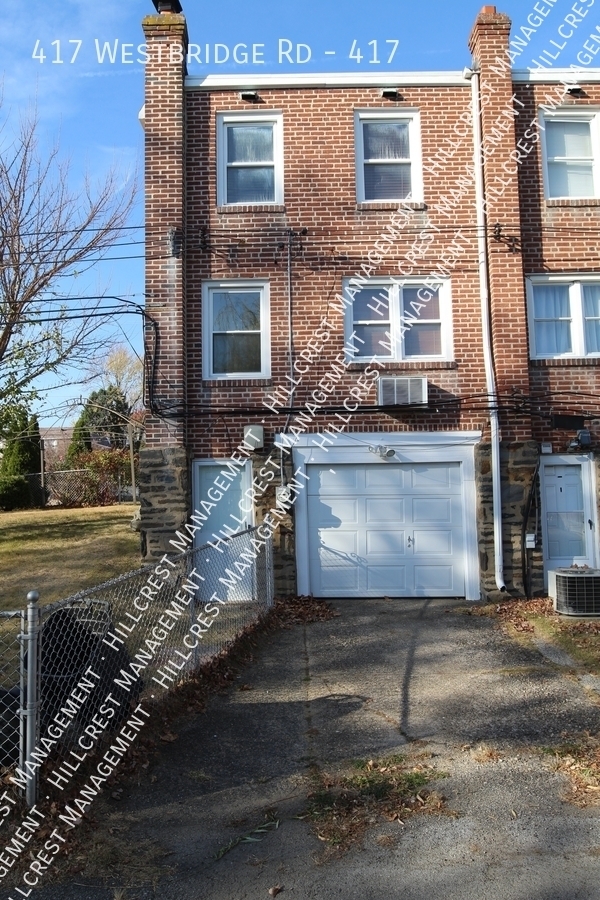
[393,529]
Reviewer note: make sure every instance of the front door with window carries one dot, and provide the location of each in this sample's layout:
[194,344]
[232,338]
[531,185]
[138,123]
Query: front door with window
[568,512]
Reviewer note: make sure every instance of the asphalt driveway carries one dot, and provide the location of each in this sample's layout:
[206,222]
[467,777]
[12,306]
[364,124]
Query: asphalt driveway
[385,676]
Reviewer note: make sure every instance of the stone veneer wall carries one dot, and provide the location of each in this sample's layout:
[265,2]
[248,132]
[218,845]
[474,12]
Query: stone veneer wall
[165,496]
[518,461]
[284,547]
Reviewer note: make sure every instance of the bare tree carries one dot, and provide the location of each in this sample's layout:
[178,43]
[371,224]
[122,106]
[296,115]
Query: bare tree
[123,369]
[48,232]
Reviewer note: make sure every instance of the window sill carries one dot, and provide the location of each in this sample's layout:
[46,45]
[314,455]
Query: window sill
[259,381]
[251,208]
[574,201]
[399,366]
[565,363]
[375,205]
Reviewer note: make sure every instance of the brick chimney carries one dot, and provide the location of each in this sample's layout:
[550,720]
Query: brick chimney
[489,43]
[164,479]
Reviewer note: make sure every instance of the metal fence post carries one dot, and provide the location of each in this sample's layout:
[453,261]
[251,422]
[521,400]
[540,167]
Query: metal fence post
[31,712]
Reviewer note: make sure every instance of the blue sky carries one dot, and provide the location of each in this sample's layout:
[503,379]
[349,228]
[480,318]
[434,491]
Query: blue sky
[91,107]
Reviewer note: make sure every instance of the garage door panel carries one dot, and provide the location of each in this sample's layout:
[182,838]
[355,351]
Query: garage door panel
[335,480]
[386,578]
[432,509]
[388,542]
[433,543]
[385,511]
[343,542]
[385,476]
[433,579]
[435,476]
[340,580]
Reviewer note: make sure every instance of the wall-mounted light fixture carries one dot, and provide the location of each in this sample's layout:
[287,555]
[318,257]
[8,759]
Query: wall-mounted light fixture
[250,96]
[576,91]
[383,451]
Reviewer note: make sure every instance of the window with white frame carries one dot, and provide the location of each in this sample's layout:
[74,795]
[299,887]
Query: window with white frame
[571,154]
[388,156]
[249,158]
[564,317]
[408,321]
[236,339]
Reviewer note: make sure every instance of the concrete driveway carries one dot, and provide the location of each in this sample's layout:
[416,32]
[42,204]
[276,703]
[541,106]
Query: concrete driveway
[386,675]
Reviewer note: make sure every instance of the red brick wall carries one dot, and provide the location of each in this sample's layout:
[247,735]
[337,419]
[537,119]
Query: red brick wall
[558,236]
[320,194]
[164,184]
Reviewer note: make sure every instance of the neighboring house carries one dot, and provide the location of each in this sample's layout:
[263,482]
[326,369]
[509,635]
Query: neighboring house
[310,232]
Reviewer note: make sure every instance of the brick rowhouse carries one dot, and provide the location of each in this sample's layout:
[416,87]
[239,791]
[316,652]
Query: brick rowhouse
[320,235]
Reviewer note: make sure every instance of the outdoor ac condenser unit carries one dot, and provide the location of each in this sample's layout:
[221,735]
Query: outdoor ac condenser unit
[402,390]
[575,592]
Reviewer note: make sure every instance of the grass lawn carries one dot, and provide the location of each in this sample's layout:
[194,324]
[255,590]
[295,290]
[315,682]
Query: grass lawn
[61,551]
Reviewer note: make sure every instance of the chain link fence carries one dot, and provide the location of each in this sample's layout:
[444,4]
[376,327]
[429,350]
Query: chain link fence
[122,640]
[73,487]
[12,687]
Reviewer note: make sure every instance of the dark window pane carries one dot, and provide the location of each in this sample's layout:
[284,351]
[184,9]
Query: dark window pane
[249,143]
[255,184]
[236,353]
[423,340]
[372,304]
[425,297]
[387,181]
[377,341]
[236,311]
[386,140]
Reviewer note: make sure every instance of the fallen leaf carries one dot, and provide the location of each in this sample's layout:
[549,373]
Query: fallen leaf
[245,687]
[168,737]
[276,889]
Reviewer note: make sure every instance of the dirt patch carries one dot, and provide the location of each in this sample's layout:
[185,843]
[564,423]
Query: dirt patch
[579,759]
[345,803]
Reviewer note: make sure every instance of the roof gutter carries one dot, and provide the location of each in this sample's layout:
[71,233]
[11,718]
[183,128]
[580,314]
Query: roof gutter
[490,377]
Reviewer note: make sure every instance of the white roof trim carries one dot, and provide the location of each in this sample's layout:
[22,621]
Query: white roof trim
[320,80]
[552,76]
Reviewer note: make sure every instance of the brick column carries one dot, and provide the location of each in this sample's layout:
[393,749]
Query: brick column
[489,42]
[164,479]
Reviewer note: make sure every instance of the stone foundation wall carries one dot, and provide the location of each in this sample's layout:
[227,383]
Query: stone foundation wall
[165,498]
[517,461]
[284,546]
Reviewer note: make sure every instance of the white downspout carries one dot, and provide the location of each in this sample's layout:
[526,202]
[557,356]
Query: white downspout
[486,332]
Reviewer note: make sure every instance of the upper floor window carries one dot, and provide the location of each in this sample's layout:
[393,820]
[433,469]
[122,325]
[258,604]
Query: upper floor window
[399,322]
[388,156]
[564,318]
[572,154]
[236,330]
[249,158]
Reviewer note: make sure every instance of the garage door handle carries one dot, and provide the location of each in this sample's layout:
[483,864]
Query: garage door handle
[590,523]
[410,540]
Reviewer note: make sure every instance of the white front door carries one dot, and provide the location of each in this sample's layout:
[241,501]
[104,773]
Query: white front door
[386,529]
[568,512]
[208,485]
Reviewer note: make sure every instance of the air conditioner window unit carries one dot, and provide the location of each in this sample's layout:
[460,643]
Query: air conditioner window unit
[575,592]
[402,390]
